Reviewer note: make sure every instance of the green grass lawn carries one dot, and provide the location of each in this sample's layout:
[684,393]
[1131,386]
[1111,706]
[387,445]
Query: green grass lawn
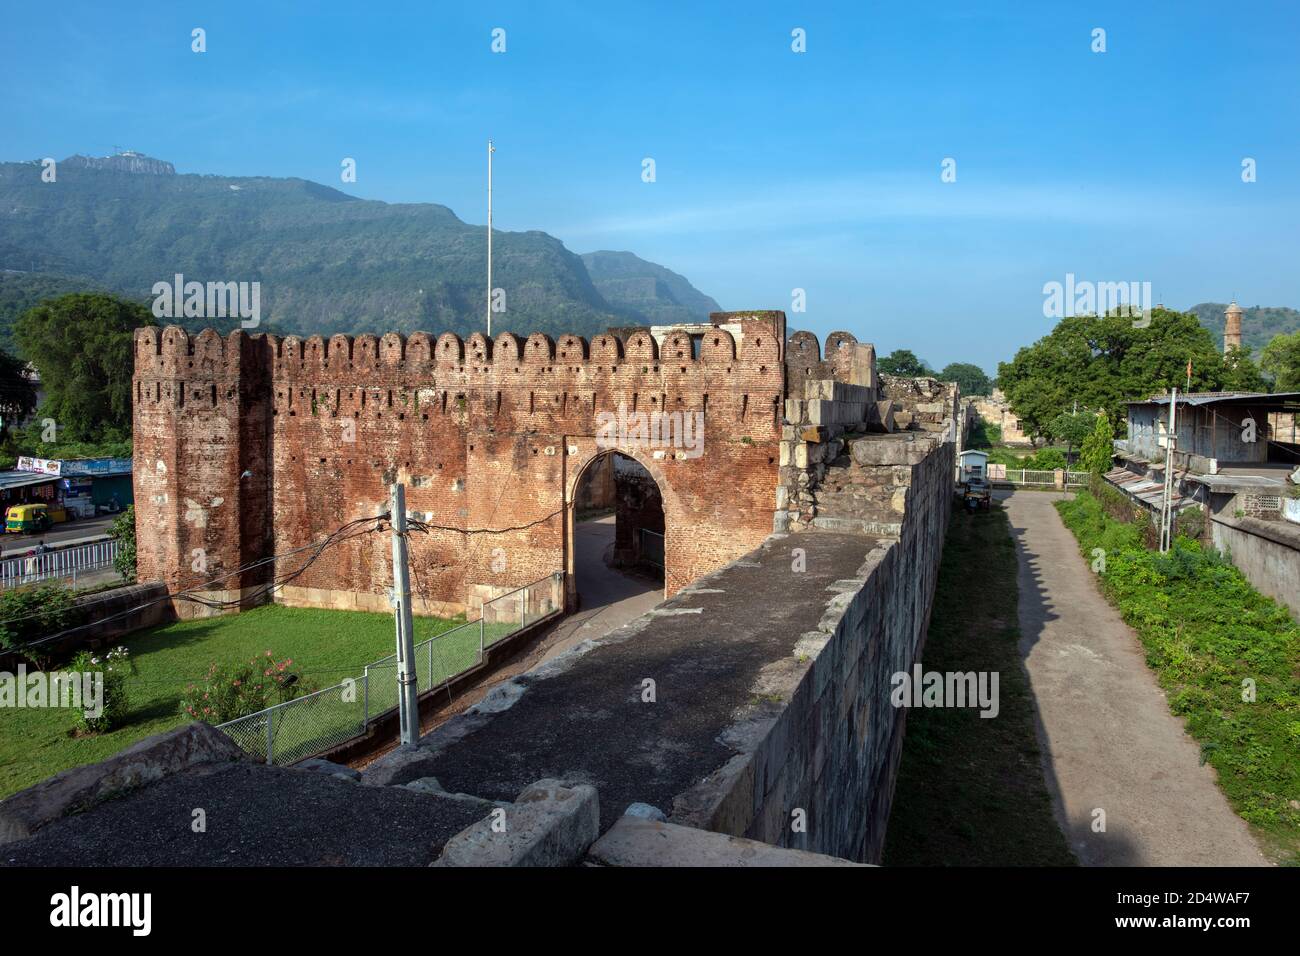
[971,790]
[325,646]
[1018,456]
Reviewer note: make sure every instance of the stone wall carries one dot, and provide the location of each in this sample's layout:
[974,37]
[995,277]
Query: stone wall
[1266,552]
[923,403]
[252,445]
[829,447]
[109,615]
[833,749]
[995,410]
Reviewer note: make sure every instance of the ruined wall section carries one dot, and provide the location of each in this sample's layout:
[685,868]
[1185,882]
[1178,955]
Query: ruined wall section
[488,435]
[828,403]
[924,403]
[832,747]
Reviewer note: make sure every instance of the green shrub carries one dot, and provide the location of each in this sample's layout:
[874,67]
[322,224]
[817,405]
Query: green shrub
[1190,523]
[232,691]
[1099,447]
[1048,459]
[984,434]
[116,666]
[122,530]
[31,613]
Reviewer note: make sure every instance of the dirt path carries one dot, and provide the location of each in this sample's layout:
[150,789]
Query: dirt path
[1108,739]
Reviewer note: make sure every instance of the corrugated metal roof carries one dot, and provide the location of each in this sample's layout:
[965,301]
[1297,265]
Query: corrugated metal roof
[1144,489]
[1209,398]
[22,479]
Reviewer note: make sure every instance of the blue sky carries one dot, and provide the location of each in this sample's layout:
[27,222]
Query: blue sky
[775,170]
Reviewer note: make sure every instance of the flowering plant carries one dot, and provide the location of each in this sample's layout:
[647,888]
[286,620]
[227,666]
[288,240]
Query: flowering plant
[232,691]
[116,666]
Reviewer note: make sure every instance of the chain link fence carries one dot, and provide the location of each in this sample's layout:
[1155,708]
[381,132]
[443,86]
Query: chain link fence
[308,725]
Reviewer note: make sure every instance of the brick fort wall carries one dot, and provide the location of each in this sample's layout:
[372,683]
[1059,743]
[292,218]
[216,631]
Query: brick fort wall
[250,446]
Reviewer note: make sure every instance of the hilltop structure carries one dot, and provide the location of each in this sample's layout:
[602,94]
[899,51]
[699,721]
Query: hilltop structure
[126,161]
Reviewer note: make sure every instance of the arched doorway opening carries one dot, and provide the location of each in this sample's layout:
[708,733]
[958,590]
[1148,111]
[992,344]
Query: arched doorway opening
[615,538]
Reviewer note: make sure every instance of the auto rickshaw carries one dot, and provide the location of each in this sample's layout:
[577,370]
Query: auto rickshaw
[25,519]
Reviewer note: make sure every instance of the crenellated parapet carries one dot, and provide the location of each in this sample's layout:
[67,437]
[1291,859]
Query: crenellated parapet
[845,360]
[254,444]
[172,353]
[731,367]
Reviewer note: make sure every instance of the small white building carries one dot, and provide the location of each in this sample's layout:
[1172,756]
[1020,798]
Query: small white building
[972,464]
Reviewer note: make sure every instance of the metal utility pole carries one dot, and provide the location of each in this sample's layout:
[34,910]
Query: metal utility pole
[1166,502]
[491,149]
[408,704]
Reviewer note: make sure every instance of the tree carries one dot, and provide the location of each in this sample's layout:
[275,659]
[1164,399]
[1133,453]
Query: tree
[17,393]
[1104,361]
[1240,373]
[970,378]
[83,345]
[1071,428]
[1281,359]
[1098,448]
[902,362]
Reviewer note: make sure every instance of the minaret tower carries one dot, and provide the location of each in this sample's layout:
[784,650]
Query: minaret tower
[1232,330]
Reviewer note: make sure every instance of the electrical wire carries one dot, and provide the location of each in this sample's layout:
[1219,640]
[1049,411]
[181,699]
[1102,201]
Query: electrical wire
[345,532]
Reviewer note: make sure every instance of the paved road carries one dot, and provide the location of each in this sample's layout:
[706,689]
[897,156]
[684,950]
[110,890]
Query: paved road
[609,599]
[15,544]
[1109,741]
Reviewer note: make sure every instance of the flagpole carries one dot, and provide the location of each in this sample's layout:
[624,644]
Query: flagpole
[491,150]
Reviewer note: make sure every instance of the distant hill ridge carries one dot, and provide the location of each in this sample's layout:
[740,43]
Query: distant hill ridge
[659,295]
[127,162]
[327,262]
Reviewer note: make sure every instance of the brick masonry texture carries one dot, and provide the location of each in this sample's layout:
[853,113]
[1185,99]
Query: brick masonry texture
[250,446]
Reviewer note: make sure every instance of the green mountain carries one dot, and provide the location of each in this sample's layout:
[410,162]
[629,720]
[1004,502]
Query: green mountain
[327,262]
[1258,323]
[657,294]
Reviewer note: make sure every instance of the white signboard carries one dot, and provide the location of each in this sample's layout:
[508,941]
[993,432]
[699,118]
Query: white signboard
[44,466]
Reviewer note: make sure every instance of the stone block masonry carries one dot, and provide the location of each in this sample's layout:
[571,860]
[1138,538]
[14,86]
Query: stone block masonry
[830,747]
[252,446]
